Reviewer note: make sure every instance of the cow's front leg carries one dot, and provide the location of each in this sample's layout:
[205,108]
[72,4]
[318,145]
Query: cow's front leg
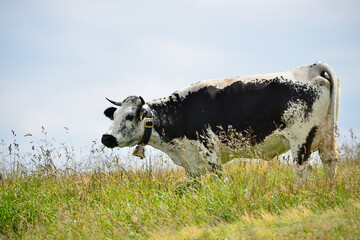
[201,162]
[198,165]
[215,169]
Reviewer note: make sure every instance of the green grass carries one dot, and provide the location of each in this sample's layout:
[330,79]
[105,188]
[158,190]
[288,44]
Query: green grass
[249,201]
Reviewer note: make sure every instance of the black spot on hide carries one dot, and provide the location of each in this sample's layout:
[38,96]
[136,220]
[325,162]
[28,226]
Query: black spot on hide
[257,105]
[305,150]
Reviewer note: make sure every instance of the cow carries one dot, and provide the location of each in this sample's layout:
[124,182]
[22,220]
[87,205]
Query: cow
[295,110]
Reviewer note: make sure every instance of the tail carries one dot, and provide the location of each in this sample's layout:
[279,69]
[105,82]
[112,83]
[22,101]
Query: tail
[327,72]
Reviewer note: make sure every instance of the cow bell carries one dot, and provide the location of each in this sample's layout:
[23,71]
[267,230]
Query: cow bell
[139,151]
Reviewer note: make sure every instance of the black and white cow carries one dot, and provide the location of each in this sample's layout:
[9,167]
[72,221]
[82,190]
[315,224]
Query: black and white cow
[296,110]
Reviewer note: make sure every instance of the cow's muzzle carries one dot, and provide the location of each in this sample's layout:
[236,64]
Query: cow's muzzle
[109,141]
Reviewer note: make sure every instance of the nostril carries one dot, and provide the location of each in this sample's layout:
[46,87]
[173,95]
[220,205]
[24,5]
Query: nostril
[109,140]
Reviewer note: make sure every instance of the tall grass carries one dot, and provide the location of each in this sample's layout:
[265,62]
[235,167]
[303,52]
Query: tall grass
[50,203]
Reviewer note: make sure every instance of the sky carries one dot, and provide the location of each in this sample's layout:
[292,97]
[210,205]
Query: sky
[60,59]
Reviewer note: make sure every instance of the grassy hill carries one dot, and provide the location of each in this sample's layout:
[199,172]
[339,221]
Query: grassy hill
[250,201]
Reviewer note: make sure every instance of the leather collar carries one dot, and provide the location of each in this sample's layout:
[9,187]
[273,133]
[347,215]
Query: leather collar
[148,125]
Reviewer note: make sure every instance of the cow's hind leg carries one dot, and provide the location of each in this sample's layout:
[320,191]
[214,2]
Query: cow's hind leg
[302,165]
[302,171]
[329,156]
[301,154]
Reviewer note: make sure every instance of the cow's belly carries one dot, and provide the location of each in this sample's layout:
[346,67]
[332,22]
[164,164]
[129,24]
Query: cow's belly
[273,145]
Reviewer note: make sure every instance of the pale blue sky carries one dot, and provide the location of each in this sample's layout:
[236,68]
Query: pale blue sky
[60,59]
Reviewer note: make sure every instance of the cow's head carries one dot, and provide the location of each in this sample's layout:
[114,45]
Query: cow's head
[128,127]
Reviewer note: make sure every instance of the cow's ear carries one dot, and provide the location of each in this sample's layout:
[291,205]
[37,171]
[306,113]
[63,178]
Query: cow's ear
[110,112]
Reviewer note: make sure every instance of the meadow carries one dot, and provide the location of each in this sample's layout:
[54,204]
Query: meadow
[249,201]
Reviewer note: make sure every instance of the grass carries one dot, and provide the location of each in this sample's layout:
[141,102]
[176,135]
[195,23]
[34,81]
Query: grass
[297,223]
[250,201]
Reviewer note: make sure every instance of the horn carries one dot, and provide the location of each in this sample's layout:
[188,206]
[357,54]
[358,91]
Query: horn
[142,100]
[115,103]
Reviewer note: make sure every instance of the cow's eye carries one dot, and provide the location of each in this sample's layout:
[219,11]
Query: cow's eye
[129,117]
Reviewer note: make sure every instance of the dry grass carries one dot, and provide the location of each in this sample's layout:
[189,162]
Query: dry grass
[296,223]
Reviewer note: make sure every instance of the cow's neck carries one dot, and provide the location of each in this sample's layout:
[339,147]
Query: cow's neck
[162,120]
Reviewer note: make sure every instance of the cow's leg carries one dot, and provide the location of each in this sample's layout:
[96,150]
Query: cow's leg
[302,171]
[329,156]
[330,168]
[198,161]
[215,168]
[301,153]
[301,164]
